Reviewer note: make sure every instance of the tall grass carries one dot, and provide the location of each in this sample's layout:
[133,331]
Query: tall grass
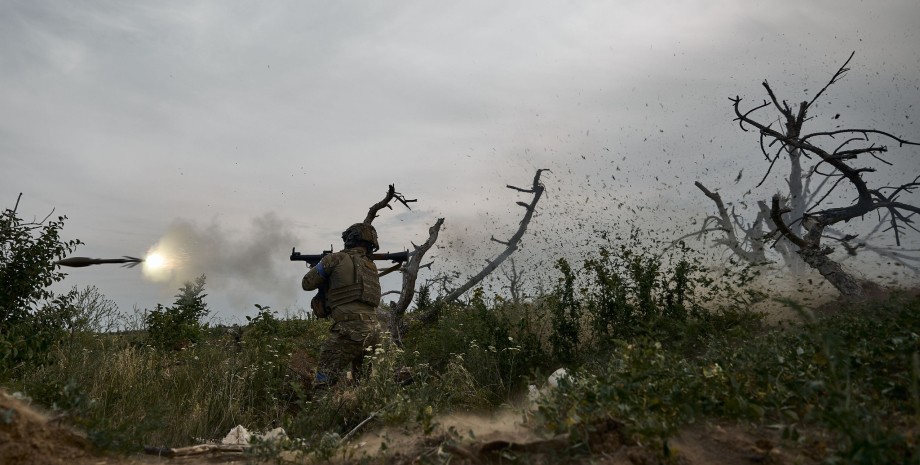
[127,393]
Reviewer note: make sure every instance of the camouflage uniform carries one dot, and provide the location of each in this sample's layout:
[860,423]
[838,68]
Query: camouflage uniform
[352,294]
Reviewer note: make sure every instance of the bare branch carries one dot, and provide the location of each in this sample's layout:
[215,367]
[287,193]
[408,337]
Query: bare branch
[725,224]
[385,203]
[697,234]
[853,153]
[784,109]
[834,186]
[899,257]
[410,271]
[770,168]
[909,187]
[526,191]
[514,277]
[537,188]
[776,216]
[901,142]
[763,149]
[839,74]
[846,142]
[742,118]
[493,239]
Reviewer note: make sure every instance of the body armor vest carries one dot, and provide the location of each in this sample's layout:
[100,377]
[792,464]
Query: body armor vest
[364,286]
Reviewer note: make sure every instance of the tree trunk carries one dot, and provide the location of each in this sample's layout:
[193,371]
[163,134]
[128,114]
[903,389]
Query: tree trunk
[850,287]
[798,196]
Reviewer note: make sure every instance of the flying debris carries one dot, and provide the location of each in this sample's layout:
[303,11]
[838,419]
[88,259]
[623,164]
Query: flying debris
[76,262]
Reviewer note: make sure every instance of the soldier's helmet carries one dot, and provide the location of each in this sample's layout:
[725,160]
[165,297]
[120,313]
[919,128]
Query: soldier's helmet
[358,232]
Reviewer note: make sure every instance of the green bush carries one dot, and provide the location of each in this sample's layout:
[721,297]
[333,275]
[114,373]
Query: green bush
[501,345]
[566,316]
[32,317]
[631,290]
[854,374]
[179,326]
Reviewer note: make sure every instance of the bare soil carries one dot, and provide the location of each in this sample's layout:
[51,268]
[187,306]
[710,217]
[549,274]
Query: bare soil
[29,437]
[504,438]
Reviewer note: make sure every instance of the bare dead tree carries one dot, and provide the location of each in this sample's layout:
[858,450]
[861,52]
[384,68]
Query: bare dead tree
[511,245]
[385,203]
[397,310]
[746,241]
[805,227]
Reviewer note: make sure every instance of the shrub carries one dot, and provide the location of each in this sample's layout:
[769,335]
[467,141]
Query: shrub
[179,326]
[32,317]
[631,290]
[500,344]
[566,316]
[853,374]
[94,313]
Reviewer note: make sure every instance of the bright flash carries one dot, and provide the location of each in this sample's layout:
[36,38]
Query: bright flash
[158,265]
[155,261]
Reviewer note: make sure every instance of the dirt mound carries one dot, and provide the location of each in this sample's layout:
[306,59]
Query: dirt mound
[29,437]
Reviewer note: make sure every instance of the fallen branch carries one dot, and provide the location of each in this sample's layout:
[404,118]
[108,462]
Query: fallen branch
[200,449]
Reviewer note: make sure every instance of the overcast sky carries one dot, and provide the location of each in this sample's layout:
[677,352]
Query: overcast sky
[238,130]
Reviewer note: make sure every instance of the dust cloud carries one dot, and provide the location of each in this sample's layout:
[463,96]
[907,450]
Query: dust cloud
[506,424]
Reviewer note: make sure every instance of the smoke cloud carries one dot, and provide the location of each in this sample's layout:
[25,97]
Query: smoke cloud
[241,264]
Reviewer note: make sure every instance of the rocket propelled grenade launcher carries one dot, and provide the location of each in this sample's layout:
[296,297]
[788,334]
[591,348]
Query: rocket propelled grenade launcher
[313,259]
[77,262]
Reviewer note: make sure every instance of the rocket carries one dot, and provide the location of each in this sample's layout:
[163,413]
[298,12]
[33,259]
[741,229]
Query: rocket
[126,261]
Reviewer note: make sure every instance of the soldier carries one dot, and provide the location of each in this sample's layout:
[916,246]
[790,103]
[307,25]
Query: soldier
[349,293]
